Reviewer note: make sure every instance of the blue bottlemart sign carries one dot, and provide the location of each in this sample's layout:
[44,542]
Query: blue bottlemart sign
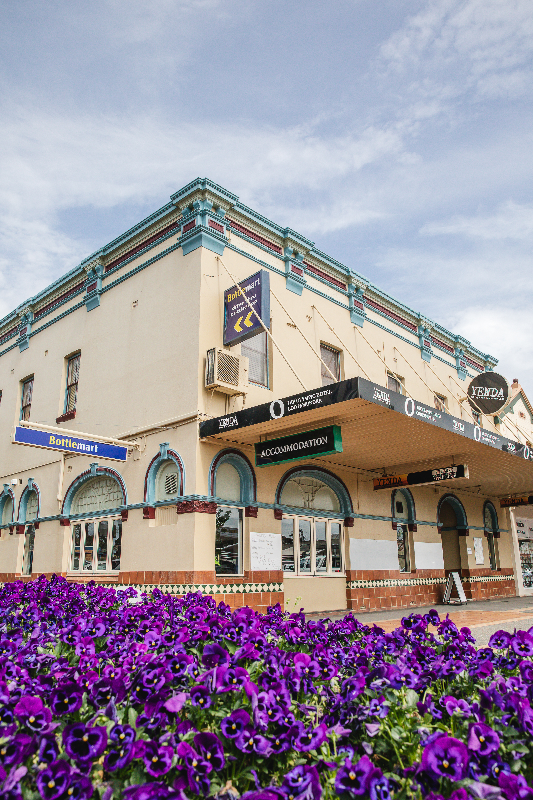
[69,444]
[240,321]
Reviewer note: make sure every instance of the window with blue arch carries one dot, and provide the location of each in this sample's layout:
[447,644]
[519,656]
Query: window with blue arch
[165,477]
[315,502]
[7,506]
[403,516]
[490,525]
[232,484]
[28,511]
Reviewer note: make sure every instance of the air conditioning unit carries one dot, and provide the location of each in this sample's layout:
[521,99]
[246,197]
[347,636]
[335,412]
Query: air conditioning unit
[226,372]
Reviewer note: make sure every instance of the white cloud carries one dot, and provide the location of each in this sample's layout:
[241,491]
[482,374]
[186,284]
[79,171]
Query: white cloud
[510,221]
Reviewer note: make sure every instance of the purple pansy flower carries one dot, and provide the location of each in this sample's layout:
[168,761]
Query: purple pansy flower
[482,739]
[84,744]
[445,757]
[355,778]
[157,758]
[33,714]
[53,781]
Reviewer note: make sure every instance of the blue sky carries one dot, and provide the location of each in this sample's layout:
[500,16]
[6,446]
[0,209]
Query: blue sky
[396,135]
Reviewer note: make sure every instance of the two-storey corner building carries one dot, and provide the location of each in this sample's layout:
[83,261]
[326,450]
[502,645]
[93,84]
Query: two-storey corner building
[153,433]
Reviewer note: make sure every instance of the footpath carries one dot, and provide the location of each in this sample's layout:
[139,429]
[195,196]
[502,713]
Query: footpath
[483,617]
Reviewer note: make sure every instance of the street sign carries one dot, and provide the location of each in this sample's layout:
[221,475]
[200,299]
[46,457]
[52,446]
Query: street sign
[321,442]
[240,321]
[418,478]
[69,444]
[522,500]
[488,392]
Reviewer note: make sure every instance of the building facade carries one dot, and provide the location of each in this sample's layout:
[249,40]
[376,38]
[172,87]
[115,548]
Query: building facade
[120,351]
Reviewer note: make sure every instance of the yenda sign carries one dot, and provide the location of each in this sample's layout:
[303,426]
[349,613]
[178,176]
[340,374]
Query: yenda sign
[488,392]
[322,442]
[425,476]
[69,444]
[240,321]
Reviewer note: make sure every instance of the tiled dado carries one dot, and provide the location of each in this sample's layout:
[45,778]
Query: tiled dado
[258,596]
[425,587]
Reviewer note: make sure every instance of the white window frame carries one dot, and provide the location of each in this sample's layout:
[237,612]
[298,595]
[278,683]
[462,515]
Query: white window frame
[314,573]
[110,519]
[240,551]
[265,355]
[399,380]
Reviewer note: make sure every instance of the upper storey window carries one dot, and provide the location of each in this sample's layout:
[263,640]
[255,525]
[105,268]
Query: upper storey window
[73,372]
[27,393]
[394,383]
[332,359]
[256,351]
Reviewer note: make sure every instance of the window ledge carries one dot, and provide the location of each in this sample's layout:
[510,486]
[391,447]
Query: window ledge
[93,575]
[66,417]
[319,575]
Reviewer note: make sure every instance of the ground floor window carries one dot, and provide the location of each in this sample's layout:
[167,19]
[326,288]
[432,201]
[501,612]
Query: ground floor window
[96,545]
[29,544]
[311,546]
[402,538]
[228,542]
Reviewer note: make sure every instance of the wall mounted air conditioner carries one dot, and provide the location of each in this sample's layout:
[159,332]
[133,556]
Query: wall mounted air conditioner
[226,372]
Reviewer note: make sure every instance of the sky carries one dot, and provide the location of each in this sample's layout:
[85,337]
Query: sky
[397,135]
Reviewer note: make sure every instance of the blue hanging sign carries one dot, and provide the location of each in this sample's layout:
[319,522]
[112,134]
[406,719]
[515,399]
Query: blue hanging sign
[69,444]
[240,321]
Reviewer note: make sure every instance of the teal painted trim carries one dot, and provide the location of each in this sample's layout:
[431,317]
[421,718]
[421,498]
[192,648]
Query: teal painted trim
[202,237]
[142,252]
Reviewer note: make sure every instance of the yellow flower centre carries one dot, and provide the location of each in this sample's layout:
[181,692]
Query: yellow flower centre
[32,719]
[122,736]
[154,759]
[51,784]
[85,738]
[481,738]
[351,775]
[445,764]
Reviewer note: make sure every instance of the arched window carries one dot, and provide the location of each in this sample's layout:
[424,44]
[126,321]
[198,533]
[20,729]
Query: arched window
[29,502]
[7,506]
[232,483]
[96,542]
[490,524]
[312,543]
[165,476]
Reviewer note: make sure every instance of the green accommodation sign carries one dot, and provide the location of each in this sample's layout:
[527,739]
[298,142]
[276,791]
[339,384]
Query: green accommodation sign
[310,444]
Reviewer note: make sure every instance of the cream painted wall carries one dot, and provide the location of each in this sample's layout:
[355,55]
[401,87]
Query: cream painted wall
[315,594]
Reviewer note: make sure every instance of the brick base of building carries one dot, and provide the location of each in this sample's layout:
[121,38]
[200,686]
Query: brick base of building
[379,589]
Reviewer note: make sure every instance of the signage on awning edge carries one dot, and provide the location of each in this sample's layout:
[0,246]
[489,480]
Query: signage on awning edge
[522,500]
[488,392]
[299,446]
[69,444]
[425,476]
[325,396]
[240,322]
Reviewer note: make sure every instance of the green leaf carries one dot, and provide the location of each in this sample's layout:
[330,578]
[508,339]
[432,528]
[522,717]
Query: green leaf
[411,698]
[397,733]
[132,716]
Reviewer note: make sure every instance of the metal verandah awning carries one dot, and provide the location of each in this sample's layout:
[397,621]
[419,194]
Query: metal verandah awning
[383,430]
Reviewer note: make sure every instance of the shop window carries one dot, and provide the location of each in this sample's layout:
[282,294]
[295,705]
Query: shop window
[27,394]
[439,402]
[332,358]
[256,350]
[228,483]
[311,546]
[228,541]
[73,372]
[96,545]
[402,539]
[394,383]
[32,505]
[491,526]
[29,544]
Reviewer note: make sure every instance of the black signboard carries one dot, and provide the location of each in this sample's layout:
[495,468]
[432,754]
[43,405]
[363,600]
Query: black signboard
[351,389]
[523,500]
[425,476]
[240,322]
[488,392]
[309,444]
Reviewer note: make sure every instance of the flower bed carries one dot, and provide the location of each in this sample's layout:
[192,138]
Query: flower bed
[105,696]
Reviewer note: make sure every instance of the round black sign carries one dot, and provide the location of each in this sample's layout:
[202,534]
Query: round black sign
[488,392]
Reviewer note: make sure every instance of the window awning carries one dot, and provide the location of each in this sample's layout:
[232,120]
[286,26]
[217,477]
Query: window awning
[383,430]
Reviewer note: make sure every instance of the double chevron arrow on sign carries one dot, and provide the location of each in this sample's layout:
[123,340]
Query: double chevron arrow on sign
[247,322]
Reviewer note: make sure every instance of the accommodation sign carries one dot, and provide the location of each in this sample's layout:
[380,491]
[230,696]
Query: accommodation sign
[321,442]
[240,321]
[69,444]
[425,476]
